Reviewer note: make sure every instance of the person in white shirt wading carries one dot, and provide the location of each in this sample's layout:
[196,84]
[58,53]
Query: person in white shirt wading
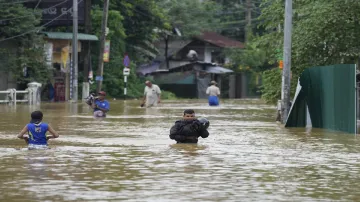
[214,92]
[151,95]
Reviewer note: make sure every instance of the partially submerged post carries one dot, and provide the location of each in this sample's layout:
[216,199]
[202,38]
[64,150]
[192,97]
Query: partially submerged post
[35,95]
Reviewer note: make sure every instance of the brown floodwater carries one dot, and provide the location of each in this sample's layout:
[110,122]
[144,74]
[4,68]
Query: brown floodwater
[129,156]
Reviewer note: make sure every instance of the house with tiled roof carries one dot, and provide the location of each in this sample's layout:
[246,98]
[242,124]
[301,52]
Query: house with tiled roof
[191,64]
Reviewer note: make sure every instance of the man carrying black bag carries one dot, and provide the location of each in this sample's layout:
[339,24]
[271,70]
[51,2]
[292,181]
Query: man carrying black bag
[189,129]
[99,104]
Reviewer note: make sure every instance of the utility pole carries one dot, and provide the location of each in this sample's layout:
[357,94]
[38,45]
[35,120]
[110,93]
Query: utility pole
[75,50]
[285,86]
[86,51]
[248,20]
[100,71]
[167,50]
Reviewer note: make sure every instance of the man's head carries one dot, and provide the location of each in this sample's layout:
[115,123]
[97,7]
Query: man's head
[213,83]
[189,114]
[102,95]
[36,117]
[148,84]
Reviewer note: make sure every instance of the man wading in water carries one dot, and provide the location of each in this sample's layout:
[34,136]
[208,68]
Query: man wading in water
[152,94]
[214,92]
[189,129]
[100,105]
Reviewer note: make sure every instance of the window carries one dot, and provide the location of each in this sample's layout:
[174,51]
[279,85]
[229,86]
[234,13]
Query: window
[217,57]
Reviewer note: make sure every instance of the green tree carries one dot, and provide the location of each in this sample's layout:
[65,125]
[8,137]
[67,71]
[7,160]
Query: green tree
[234,24]
[131,25]
[250,58]
[113,81]
[189,16]
[232,16]
[20,45]
[141,17]
[324,33]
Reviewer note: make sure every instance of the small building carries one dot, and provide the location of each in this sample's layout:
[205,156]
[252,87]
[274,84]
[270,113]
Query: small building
[58,58]
[191,64]
[58,52]
[55,13]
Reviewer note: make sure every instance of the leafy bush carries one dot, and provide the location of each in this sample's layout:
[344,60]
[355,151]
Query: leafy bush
[167,95]
[271,88]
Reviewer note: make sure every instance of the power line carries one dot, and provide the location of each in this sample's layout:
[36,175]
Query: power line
[37,4]
[217,12]
[34,12]
[37,29]
[213,24]
[208,24]
[216,25]
[17,2]
[223,23]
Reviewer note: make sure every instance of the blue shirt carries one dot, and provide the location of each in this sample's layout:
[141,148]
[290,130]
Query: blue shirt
[103,104]
[37,133]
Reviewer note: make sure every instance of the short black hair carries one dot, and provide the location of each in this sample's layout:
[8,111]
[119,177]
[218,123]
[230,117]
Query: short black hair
[36,117]
[189,111]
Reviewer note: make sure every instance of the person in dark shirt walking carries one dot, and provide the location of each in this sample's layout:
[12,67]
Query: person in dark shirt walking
[189,129]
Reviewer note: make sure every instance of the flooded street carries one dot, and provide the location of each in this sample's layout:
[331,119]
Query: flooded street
[129,156]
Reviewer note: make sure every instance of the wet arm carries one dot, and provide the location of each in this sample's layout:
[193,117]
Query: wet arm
[105,109]
[22,133]
[159,98]
[53,132]
[159,94]
[173,132]
[144,98]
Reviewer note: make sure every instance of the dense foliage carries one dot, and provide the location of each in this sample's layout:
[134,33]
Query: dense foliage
[27,50]
[324,32]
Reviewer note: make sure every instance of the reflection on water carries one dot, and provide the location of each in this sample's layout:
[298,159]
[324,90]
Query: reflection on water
[129,156]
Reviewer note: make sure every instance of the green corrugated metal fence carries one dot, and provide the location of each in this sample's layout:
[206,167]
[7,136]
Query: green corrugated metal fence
[329,92]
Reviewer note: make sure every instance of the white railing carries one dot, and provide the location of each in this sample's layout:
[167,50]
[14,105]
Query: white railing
[31,95]
[7,96]
[11,96]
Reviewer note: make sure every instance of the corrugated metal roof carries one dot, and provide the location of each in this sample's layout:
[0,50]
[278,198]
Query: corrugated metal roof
[174,46]
[218,70]
[68,36]
[148,68]
[220,40]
